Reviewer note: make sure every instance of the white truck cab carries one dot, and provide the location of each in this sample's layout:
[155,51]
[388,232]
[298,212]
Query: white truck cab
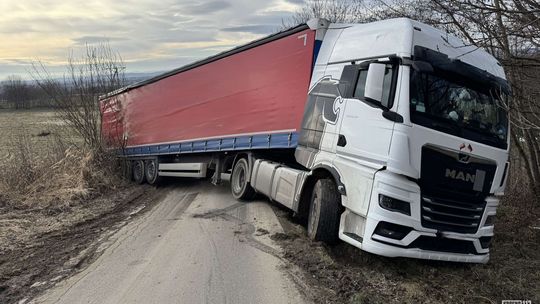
[410,122]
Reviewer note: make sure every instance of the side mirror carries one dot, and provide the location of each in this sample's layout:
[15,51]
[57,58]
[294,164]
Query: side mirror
[422,66]
[375,82]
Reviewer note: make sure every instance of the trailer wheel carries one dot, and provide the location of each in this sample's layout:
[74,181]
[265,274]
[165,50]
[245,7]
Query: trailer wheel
[138,171]
[324,212]
[151,171]
[240,187]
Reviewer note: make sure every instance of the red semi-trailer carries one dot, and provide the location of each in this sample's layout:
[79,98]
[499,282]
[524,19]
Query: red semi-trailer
[389,136]
[259,89]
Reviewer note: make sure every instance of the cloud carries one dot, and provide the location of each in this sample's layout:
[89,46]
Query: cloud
[296,2]
[206,7]
[270,17]
[96,39]
[17,61]
[255,29]
[176,35]
[149,35]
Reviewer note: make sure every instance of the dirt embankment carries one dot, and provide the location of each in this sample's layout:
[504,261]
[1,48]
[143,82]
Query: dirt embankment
[41,245]
[344,274]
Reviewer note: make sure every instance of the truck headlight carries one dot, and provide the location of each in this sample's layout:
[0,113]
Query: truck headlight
[394,205]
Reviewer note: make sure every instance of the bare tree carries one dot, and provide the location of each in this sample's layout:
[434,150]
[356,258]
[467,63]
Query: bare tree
[16,92]
[76,96]
[333,10]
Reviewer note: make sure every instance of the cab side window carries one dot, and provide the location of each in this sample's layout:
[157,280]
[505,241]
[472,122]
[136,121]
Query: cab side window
[360,85]
[387,99]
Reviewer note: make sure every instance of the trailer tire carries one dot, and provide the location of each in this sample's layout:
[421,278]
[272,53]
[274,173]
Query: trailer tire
[151,171]
[138,171]
[324,212]
[240,187]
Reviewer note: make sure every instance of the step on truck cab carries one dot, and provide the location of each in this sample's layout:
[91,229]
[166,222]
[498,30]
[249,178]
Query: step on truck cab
[391,136]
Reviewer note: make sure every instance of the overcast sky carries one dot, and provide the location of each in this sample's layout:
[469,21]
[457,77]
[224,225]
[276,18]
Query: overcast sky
[151,35]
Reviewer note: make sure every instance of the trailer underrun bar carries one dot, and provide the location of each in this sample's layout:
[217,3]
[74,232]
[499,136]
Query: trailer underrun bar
[245,142]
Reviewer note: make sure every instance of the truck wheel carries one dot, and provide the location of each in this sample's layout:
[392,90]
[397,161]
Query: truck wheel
[138,171]
[324,212]
[240,187]
[151,170]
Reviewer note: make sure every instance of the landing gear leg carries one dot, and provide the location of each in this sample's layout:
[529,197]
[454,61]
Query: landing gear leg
[216,178]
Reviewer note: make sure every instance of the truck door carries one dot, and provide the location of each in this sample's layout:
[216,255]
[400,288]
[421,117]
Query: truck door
[364,133]
[364,136]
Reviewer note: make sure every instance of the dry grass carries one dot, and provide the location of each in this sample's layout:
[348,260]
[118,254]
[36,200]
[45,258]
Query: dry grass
[56,174]
[32,124]
[42,164]
[48,182]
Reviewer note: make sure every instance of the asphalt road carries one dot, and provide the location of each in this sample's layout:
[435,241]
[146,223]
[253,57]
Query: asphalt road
[198,245]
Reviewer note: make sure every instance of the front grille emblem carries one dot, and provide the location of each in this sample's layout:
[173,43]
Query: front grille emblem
[464,158]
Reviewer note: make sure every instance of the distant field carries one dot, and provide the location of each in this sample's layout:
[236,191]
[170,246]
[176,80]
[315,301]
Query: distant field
[36,127]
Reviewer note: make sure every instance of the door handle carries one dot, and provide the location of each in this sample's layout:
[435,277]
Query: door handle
[342,141]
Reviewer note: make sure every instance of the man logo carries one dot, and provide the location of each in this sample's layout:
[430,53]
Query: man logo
[464,158]
[459,175]
[463,146]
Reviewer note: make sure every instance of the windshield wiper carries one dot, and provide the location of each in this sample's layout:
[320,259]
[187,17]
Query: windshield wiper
[443,123]
[486,135]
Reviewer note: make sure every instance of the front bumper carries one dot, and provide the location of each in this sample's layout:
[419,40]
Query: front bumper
[419,242]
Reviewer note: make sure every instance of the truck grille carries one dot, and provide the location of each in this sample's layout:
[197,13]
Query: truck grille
[451,215]
[454,190]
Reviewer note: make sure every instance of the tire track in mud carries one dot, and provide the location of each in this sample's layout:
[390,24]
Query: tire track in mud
[218,212]
[215,264]
[101,245]
[171,204]
[248,231]
[162,214]
[62,253]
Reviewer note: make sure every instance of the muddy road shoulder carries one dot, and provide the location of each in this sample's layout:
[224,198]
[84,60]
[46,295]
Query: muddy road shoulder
[33,263]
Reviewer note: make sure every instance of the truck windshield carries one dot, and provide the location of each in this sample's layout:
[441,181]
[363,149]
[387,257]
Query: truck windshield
[457,107]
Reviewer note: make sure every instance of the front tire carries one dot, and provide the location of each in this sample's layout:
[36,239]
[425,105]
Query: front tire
[138,171]
[240,187]
[324,212]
